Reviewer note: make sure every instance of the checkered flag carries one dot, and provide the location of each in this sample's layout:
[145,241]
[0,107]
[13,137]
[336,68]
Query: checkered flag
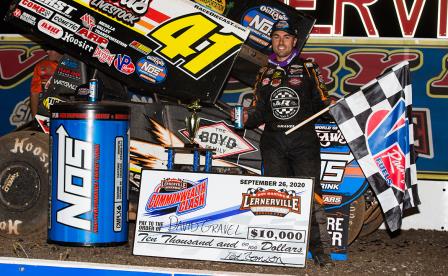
[376,122]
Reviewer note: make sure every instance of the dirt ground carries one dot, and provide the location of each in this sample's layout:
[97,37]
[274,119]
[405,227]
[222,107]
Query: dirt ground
[412,252]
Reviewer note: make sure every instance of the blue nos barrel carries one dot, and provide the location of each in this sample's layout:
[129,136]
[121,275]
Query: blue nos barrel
[89,174]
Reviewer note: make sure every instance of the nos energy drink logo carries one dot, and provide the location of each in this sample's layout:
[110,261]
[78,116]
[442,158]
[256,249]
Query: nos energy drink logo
[151,69]
[74,181]
[260,21]
[388,142]
[177,195]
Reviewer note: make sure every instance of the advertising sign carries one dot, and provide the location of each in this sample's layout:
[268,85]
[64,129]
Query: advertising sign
[228,218]
[342,183]
[151,46]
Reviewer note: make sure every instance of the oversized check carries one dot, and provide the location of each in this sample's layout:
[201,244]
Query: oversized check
[227,218]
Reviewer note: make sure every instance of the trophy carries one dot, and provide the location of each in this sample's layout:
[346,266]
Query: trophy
[192,126]
[192,122]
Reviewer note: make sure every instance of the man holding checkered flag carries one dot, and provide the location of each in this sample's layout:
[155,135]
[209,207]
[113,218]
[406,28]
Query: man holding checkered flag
[289,90]
[376,122]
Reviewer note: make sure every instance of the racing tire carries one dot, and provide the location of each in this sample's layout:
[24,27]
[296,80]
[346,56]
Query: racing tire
[373,215]
[373,225]
[356,218]
[24,183]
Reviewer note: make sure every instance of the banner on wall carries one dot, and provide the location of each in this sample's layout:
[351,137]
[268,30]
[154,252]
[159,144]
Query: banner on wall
[18,56]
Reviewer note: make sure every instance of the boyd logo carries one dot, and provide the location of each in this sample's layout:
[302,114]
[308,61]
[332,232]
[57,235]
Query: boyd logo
[74,180]
[220,138]
[50,28]
[388,142]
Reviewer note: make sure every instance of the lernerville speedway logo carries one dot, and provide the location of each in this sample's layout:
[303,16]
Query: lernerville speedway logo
[271,202]
[177,195]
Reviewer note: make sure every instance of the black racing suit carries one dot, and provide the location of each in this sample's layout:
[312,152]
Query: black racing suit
[285,95]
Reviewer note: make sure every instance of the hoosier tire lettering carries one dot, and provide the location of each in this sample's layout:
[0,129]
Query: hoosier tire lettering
[24,168]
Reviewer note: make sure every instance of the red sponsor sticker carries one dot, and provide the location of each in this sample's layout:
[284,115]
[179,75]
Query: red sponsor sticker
[276,82]
[17,13]
[265,81]
[295,81]
[104,55]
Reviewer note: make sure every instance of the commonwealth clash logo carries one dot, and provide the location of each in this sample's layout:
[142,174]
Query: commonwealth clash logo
[179,196]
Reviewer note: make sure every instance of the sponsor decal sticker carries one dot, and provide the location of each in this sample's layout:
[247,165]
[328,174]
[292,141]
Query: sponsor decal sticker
[218,6]
[44,123]
[36,8]
[65,84]
[59,6]
[152,69]
[124,64]
[140,47]
[69,63]
[65,23]
[68,73]
[93,37]
[50,28]
[276,82]
[86,32]
[17,13]
[260,21]
[295,70]
[88,21]
[28,18]
[104,55]
[265,81]
[294,81]
[78,42]
[277,74]
[128,12]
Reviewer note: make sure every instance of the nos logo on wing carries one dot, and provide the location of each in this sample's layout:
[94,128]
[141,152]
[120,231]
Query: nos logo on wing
[260,21]
[151,69]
